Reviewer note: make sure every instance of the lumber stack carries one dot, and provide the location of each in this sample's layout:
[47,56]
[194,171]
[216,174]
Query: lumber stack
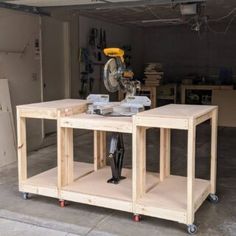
[153,74]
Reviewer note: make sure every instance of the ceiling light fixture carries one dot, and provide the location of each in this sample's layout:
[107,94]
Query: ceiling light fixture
[162,20]
[188,9]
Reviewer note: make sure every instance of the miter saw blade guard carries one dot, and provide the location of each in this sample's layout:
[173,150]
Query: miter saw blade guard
[112,75]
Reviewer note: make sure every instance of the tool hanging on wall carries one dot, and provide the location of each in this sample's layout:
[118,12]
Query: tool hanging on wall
[87,80]
[102,45]
[99,45]
[93,36]
[99,56]
[86,85]
[104,40]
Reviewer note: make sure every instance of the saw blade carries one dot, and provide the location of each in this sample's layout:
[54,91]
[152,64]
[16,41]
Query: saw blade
[111,75]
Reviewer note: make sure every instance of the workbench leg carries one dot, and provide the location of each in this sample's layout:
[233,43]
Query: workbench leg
[69,154]
[96,147]
[60,153]
[136,165]
[214,150]
[167,151]
[65,156]
[143,162]
[99,149]
[103,149]
[191,171]
[22,148]
[164,153]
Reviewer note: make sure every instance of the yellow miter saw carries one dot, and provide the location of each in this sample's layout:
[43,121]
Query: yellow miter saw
[118,78]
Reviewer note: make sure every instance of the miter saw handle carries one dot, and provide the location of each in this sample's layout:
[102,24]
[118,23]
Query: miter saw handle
[115,52]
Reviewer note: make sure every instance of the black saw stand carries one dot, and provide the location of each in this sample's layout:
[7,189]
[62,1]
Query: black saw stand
[115,157]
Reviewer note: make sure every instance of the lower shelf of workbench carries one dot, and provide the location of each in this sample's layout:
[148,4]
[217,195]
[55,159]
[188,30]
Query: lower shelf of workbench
[168,199]
[93,189]
[45,183]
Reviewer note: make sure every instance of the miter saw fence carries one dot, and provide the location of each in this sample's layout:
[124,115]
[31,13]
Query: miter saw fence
[100,104]
[117,77]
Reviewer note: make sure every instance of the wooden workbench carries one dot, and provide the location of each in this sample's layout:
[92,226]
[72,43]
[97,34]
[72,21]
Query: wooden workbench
[184,88]
[93,188]
[45,183]
[174,198]
[155,194]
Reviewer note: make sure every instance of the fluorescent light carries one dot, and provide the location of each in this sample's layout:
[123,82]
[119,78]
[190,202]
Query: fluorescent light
[188,9]
[162,20]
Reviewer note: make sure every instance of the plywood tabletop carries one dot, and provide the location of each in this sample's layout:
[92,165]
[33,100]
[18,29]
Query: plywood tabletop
[54,105]
[178,111]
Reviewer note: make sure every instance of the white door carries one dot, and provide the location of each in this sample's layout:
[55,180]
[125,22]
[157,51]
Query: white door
[55,63]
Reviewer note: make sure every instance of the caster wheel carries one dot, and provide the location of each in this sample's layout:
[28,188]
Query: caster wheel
[25,196]
[213,198]
[136,218]
[62,203]
[192,229]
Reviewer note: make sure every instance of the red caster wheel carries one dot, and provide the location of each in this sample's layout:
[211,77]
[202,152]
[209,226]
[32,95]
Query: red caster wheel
[136,218]
[62,203]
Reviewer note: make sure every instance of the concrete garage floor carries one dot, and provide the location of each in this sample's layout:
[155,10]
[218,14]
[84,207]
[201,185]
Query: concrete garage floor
[43,216]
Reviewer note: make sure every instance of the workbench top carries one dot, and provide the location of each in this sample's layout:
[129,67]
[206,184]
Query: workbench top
[53,109]
[178,111]
[54,105]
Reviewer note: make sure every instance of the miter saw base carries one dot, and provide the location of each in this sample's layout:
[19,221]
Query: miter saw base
[131,105]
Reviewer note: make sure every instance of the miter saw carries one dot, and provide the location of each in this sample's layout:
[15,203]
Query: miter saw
[117,78]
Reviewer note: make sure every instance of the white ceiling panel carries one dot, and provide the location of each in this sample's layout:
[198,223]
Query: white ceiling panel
[50,3]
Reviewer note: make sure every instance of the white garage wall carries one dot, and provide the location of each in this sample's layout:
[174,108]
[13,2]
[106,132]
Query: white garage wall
[18,32]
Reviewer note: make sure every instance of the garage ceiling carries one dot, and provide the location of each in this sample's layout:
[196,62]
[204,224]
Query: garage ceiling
[144,13]
[50,3]
[163,14]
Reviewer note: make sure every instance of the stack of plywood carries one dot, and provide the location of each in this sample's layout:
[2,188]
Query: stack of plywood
[7,129]
[153,74]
